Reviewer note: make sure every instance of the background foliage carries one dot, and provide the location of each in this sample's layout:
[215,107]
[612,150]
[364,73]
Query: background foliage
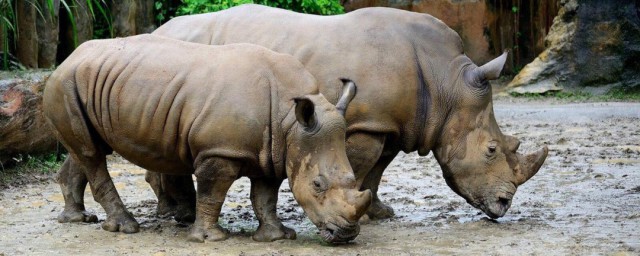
[322,7]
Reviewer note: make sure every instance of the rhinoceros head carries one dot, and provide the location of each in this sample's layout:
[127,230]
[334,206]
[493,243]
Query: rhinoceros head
[319,172]
[479,162]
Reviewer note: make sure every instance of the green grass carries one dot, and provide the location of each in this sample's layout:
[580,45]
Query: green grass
[29,168]
[616,94]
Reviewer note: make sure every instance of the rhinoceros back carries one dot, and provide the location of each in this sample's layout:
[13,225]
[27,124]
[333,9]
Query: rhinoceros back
[162,102]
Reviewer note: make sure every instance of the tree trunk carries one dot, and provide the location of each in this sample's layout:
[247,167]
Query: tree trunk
[132,17]
[84,22]
[48,32]
[23,129]
[27,41]
[83,33]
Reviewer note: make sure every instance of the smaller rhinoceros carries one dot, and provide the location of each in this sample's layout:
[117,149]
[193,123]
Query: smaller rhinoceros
[219,112]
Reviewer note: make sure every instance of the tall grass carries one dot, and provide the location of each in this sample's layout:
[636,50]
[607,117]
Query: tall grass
[9,18]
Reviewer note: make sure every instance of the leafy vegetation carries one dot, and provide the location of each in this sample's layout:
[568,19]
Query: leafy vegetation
[28,167]
[8,18]
[322,7]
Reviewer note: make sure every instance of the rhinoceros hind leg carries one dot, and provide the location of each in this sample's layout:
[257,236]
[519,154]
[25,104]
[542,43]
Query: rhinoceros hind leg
[214,177]
[72,183]
[264,198]
[378,210]
[105,193]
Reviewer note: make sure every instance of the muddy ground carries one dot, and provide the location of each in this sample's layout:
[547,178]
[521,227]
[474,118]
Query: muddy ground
[584,200]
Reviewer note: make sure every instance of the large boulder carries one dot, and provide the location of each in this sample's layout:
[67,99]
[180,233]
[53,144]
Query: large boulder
[593,43]
[23,130]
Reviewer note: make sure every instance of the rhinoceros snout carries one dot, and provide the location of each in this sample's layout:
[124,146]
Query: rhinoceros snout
[498,208]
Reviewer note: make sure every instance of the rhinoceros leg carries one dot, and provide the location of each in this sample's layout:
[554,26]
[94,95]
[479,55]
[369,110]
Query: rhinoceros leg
[378,210]
[166,205]
[214,177]
[105,193]
[72,183]
[176,195]
[181,191]
[365,156]
[264,198]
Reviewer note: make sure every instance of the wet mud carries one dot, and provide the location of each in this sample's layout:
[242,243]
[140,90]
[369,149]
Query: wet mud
[584,200]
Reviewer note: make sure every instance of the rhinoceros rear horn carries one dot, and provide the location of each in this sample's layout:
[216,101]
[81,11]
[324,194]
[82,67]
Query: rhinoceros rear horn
[348,92]
[492,69]
[306,112]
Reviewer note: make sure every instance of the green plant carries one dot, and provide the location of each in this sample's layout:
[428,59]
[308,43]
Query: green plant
[8,19]
[92,5]
[23,169]
[322,7]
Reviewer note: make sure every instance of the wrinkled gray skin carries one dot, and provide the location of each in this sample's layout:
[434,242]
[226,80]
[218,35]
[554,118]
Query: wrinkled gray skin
[219,112]
[417,91]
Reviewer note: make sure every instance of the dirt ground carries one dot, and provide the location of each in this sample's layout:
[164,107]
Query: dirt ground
[585,200]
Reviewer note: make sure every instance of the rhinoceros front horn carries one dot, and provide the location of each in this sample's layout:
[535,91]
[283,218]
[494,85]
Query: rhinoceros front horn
[348,92]
[492,69]
[530,164]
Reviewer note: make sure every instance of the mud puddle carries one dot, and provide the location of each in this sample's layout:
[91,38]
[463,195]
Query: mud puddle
[584,200]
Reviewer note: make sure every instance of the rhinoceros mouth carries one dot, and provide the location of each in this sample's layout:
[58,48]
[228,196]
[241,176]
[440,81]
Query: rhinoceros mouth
[495,209]
[335,234]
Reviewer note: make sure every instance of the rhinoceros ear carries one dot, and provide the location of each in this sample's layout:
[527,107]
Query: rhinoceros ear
[348,92]
[305,112]
[492,69]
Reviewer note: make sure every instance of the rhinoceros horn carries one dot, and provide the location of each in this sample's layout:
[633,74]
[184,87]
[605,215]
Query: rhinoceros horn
[530,164]
[492,69]
[348,92]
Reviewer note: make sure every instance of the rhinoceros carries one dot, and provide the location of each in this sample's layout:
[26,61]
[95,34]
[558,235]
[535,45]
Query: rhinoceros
[417,91]
[219,112]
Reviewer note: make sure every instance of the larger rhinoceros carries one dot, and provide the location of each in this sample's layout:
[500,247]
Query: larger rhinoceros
[220,112]
[417,91]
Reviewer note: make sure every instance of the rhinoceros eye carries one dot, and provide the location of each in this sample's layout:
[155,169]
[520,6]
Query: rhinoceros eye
[491,149]
[319,184]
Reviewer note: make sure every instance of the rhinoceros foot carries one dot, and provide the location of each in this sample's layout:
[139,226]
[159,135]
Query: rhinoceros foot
[122,222]
[76,216]
[269,233]
[185,214]
[378,211]
[165,210]
[215,233]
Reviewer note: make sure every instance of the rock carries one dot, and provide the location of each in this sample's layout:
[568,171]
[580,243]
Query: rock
[591,43]
[23,129]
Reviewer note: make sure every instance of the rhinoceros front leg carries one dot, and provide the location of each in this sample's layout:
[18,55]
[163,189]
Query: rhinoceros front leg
[378,210]
[181,191]
[364,151]
[264,198]
[214,177]
[72,183]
